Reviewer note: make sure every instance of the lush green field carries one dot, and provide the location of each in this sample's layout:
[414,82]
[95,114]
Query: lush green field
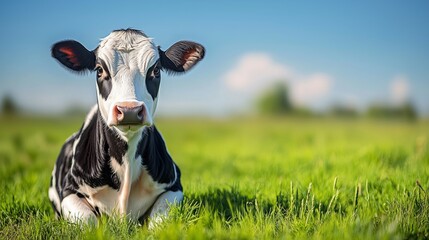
[244,179]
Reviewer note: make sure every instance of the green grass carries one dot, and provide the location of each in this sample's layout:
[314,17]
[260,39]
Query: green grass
[244,179]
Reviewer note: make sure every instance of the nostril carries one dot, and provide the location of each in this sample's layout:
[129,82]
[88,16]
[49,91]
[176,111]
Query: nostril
[119,113]
[140,114]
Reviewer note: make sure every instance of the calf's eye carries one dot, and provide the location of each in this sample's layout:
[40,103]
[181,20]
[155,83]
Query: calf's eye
[99,71]
[156,72]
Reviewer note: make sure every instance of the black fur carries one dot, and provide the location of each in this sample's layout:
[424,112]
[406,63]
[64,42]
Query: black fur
[57,211]
[156,158]
[174,59]
[153,81]
[63,164]
[73,55]
[96,145]
[104,84]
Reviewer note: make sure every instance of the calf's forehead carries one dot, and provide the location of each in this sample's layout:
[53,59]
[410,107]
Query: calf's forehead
[130,48]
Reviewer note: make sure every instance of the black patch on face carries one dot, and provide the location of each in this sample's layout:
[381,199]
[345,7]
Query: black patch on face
[104,82]
[153,79]
[156,158]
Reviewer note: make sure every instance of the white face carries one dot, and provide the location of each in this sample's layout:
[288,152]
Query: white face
[128,78]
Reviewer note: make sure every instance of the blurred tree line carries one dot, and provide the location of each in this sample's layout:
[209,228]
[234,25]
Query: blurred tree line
[277,101]
[405,110]
[8,106]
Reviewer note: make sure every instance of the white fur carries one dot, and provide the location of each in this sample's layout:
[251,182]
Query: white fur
[129,171]
[53,194]
[77,209]
[162,206]
[128,57]
[138,190]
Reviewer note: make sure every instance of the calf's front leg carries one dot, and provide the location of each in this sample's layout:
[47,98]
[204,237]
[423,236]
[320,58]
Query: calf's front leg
[77,210]
[161,207]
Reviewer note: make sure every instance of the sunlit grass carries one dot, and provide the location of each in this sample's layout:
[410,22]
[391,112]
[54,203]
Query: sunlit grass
[244,178]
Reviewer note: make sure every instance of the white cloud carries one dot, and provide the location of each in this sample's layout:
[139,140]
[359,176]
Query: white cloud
[311,88]
[399,89]
[255,72]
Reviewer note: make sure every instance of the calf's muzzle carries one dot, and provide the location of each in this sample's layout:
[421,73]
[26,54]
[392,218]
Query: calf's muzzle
[129,114]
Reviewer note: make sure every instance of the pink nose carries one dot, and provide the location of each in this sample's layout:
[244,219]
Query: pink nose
[129,114]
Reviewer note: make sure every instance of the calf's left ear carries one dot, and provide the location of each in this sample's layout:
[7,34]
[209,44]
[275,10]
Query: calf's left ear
[73,55]
[181,57]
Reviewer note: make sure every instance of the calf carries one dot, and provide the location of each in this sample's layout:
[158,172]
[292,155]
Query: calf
[117,163]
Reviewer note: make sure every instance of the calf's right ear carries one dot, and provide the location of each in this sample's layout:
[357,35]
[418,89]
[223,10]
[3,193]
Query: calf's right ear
[73,55]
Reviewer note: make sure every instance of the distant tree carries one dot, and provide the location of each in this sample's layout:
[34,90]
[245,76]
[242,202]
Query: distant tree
[275,101]
[8,106]
[302,111]
[403,111]
[339,110]
[407,111]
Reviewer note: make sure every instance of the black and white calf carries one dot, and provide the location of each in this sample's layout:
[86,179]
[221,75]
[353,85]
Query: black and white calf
[117,163]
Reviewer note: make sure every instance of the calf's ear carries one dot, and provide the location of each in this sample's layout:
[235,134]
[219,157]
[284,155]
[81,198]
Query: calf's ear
[181,56]
[73,55]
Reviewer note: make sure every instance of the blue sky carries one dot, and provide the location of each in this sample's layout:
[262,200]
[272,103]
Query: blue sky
[351,53]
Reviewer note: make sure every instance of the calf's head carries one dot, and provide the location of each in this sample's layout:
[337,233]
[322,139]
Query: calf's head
[128,67]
